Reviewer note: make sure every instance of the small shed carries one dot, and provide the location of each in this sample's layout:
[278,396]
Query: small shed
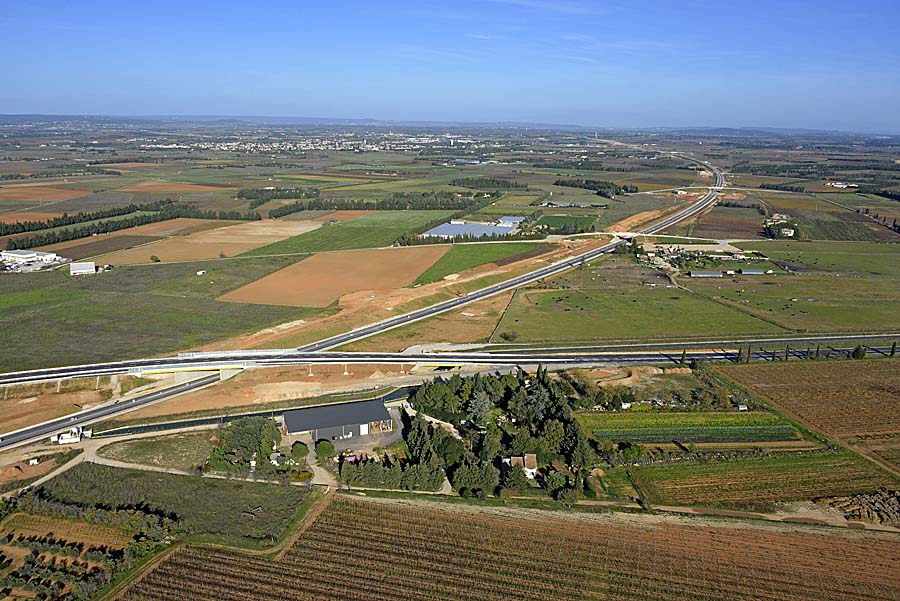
[704,274]
[83,268]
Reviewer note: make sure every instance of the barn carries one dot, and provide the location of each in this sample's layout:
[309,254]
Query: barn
[341,421]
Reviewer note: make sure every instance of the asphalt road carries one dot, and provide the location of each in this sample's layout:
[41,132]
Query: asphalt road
[85,418]
[528,278]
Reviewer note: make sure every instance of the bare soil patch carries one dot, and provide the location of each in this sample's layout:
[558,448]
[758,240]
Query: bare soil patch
[366,307]
[172,187]
[103,245]
[472,323]
[222,242]
[323,278]
[271,385]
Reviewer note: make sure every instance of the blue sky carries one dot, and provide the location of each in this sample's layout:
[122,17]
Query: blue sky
[617,63]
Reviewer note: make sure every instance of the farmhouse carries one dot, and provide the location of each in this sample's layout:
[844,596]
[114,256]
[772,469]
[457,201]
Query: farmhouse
[84,268]
[527,462]
[340,421]
[28,256]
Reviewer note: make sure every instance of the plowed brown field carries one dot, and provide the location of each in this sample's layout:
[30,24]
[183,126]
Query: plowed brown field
[323,278]
[392,550]
[39,193]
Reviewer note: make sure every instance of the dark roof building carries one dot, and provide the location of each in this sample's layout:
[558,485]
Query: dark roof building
[339,421]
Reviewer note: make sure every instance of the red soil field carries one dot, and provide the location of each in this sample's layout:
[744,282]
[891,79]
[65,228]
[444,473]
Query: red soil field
[323,278]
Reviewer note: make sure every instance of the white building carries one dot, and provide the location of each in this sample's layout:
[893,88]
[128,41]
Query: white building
[85,268]
[28,256]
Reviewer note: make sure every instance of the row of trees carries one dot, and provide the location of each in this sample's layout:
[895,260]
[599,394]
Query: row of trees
[260,196]
[782,187]
[488,183]
[400,201]
[602,188]
[166,212]
[431,450]
[19,227]
[74,171]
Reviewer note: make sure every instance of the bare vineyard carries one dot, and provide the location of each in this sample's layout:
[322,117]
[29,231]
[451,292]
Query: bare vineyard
[359,549]
[819,394]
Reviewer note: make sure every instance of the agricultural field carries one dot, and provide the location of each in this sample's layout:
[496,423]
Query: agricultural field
[723,223]
[760,483]
[243,514]
[466,256]
[559,221]
[864,258]
[437,551]
[865,414]
[320,280]
[374,230]
[648,427]
[218,243]
[616,314]
[810,302]
[132,311]
[185,451]
[47,557]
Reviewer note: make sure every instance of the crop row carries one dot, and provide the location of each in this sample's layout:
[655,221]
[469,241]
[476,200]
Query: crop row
[362,549]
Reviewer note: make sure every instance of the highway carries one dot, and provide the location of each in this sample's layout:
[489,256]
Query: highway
[90,416]
[401,320]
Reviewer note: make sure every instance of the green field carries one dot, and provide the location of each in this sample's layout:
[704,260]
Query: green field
[760,483]
[857,257]
[246,514]
[644,427]
[465,256]
[375,230]
[654,313]
[185,451]
[558,221]
[813,302]
[50,318]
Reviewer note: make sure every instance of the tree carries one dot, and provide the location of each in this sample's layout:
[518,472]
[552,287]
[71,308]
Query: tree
[477,478]
[553,435]
[478,407]
[324,449]
[555,480]
[154,259]
[490,444]
[683,356]
[418,440]
[516,479]
[859,352]
[299,451]
[893,348]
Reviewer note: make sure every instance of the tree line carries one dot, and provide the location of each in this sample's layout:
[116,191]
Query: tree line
[488,183]
[19,227]
[74,172]
[782,187]
[168,212]
[400,201]
[260,196]
[602,188]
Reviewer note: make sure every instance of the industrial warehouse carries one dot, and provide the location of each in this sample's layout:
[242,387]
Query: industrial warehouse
[340,422]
